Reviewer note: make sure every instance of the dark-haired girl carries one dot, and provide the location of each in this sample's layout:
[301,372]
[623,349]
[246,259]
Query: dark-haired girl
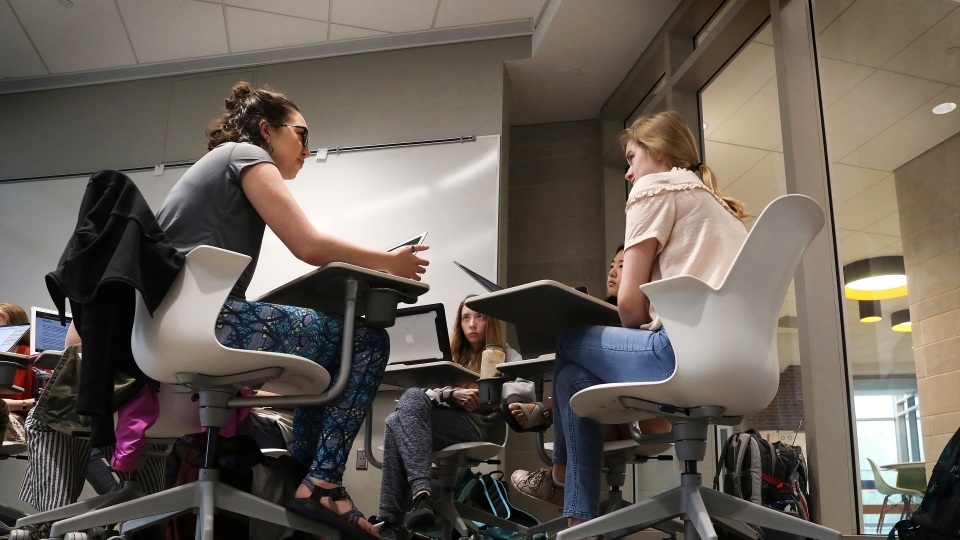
[226,200]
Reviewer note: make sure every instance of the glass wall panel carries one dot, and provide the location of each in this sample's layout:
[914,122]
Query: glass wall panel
[890,81]
[741,130]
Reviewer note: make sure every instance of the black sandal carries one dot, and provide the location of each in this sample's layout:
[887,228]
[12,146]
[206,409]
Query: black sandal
[538,408]
[347,523]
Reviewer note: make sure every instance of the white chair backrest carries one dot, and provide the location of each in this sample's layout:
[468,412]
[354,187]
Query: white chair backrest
[180,338]
[725,339]
[882,486]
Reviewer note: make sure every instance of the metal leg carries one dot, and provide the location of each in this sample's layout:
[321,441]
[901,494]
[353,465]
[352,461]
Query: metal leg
[729,507]
[96,503]
[665,506]
[133,525]
[171,500]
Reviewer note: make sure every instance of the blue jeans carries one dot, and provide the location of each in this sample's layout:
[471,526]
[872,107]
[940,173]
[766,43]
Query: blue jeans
[588,356]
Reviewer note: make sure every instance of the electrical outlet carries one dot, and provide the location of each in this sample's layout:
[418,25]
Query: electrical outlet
[361,459]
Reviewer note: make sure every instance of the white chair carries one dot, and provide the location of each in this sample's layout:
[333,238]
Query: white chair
[888,491]
[177,346]
[726,366]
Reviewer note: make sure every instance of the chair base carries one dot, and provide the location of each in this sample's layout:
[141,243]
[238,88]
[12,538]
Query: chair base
[129,492]
[204,497]
[696,505]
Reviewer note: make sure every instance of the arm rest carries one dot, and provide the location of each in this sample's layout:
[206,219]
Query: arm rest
[8,370]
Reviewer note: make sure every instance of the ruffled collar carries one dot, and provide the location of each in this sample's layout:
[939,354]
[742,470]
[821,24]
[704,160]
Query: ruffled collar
[674,180]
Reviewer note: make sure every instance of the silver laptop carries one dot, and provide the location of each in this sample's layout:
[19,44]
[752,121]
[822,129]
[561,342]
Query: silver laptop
[420,335]
[11,336]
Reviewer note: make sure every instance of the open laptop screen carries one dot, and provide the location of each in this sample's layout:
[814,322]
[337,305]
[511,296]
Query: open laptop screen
[47,334]
[419,335]
[11,335]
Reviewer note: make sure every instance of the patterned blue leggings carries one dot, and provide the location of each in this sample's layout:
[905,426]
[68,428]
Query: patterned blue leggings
[323,435]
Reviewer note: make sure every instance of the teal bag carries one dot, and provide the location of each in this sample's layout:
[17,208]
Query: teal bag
[488,492]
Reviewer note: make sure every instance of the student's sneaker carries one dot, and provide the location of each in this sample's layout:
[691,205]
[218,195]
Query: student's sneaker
[538,484]
[421,513]
[393,531]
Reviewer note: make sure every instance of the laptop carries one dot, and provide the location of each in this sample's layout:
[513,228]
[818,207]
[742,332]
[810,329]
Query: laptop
[46,332]
[412,241]
[484,282]
[11,335]
[420,335]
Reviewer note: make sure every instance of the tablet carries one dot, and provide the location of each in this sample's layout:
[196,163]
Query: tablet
[418,239]
[48,333]
[11,335]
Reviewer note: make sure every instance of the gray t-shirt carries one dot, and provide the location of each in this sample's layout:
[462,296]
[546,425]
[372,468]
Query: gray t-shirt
[207,207]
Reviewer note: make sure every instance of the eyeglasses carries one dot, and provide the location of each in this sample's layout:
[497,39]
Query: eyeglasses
[303,134]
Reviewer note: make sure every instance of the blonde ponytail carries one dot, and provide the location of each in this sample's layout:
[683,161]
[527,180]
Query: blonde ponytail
[667,135]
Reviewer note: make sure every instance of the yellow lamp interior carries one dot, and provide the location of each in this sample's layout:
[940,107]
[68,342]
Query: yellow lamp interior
[903,327]
[872,318]
[877,288]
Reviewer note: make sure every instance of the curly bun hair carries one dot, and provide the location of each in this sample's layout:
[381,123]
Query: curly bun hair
[245,108]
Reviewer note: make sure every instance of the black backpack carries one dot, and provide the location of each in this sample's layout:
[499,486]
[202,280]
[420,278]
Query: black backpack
[938,517]
[769,474]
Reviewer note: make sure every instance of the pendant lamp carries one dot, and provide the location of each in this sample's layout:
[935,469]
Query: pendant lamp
[876,278]
[870,311]
[900,321]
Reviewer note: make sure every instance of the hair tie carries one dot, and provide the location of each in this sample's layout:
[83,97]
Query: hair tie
[695,167]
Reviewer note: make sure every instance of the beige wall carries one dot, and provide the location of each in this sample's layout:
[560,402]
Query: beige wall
[556,218]
[928,195]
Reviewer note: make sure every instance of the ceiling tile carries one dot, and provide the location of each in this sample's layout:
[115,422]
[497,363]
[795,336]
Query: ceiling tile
[17,56]
[255,30]
[339,32]
[911,136]
[889,225]
[466,12]
[838,77]
[854,35]
[729,161]
[406,16]
[874,203]
[761,184]
[174,29]
[862,245]
[757,123]
[765,36]
[927,57]
[87,36]
[317,10]
[878,102]
[827,11]
[844,233]
[846,181]
[748,73]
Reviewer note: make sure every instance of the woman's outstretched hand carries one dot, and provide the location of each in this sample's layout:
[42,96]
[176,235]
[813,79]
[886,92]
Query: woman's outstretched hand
[405,263]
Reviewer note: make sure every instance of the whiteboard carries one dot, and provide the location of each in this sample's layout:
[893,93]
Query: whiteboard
[375,198]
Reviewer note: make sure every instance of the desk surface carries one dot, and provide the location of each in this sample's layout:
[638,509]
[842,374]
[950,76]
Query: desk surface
[428,375]
[542,310]
[323,289]
[540,367]
[904,465]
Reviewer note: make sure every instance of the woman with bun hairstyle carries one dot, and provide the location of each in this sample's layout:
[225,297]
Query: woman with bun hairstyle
[427,420]
[226,200]
[678,223]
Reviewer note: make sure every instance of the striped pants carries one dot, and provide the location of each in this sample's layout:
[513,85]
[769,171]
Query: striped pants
[57,467]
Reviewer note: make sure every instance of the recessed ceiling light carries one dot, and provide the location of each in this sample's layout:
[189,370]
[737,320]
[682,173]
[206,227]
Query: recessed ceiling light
[66,3]
[704,125]
[953,50]
[944,108]
[576,72]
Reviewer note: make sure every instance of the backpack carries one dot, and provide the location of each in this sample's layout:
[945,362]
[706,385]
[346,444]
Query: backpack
[769,474]
[488,492]
[938,516]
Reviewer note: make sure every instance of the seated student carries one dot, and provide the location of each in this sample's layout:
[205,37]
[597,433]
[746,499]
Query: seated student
[613,276]
[14,407]
[678,223]
[226,200]
[426,421]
